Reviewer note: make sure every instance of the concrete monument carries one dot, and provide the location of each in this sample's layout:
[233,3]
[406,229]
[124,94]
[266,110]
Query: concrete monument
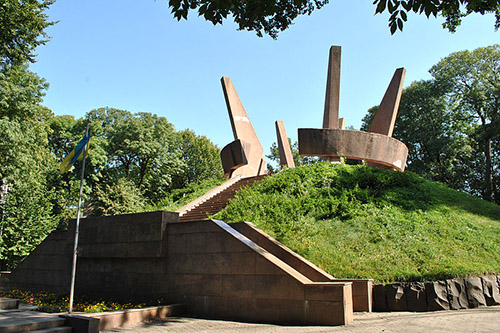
[376,146]
[285,152]
[244,156]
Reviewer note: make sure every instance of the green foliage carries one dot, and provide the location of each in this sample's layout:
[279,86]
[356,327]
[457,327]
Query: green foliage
[27,200]
[118,198]
[182,196]
[360,222]
[135,161]
[268,16]
[272,16]
[22,29]
[451,124]
[201,159]
[274,156]
[452,11]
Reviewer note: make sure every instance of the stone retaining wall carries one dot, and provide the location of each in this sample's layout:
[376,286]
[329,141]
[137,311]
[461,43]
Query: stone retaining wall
[454,294]
[210,267]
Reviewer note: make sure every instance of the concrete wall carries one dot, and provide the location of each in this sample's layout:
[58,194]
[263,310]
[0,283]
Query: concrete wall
[207,265]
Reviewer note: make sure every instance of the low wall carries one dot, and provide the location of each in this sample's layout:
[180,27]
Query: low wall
[361,288]
[453,294]
[210,267]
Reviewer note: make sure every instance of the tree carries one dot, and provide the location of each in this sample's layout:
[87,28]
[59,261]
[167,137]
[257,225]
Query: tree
[452,10]
[297,159]
[26,204]
[472,83]
[272,16]
[134,160]
[22,29]
[27,200]
[438,147]
[451,124]
[201,159]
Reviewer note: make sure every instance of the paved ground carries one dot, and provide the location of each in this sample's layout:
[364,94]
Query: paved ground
[474,320]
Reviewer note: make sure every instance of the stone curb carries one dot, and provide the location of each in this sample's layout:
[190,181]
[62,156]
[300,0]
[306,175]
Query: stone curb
[453,294]
[93,322]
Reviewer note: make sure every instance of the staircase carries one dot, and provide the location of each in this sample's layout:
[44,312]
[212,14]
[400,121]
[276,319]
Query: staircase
[20,318]
[216,202]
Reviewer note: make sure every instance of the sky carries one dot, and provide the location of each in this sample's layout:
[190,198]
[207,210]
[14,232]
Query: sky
[133,55]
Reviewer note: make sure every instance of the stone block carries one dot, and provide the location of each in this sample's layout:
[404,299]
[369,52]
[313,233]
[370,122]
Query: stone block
[396,297]
[333,291]
[362,293]
[379,298]
[212,285]
[230,308]
[437,296]
[82,324]
[131,249]
[189,284]
[221,241]
[278,287]
[457,295]
[280,311]
[192,227]
[188,263]
[231,263]
[264,266]
[490,290]
[238,285]
[329,313]
[188,243]
[475,295]
[415,297]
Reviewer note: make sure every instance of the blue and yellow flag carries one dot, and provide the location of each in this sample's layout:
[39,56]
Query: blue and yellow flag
[75,155]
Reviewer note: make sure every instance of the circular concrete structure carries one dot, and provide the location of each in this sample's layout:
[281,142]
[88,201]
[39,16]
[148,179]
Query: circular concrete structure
[358,145]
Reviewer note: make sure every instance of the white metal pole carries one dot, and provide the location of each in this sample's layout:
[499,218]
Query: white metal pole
[77,227]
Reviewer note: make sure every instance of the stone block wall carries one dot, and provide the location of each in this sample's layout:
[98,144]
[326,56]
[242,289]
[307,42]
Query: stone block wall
[48,267]
[361,288]
[207,265]
[453,294]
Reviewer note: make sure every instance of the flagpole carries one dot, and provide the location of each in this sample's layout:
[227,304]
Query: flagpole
[77,227]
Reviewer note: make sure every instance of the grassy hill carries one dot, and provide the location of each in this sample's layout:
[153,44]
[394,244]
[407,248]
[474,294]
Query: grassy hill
[360,222]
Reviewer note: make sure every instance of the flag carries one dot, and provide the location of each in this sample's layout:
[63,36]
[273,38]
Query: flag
[75,155]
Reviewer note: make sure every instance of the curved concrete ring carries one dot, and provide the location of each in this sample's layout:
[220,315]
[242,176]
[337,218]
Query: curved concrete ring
[372,147]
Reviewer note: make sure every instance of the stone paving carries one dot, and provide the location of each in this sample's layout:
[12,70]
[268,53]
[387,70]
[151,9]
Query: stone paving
[485,319]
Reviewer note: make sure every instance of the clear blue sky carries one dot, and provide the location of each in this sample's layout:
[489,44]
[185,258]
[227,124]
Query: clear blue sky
[132,55]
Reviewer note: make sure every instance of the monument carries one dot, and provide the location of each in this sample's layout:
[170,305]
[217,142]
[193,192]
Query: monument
[333,142]
[244,156]
[284,150]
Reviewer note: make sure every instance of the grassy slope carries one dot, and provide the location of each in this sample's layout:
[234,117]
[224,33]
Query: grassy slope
[359,222]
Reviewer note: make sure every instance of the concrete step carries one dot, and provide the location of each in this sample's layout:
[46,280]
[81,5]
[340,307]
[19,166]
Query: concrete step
[28,321]
[9,303]
[217,202]
[61,329]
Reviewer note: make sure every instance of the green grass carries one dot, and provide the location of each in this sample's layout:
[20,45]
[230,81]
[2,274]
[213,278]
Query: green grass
[360,222]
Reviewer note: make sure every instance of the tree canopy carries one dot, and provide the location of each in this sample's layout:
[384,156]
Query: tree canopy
[22,29]
[451,123]
[273,16]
